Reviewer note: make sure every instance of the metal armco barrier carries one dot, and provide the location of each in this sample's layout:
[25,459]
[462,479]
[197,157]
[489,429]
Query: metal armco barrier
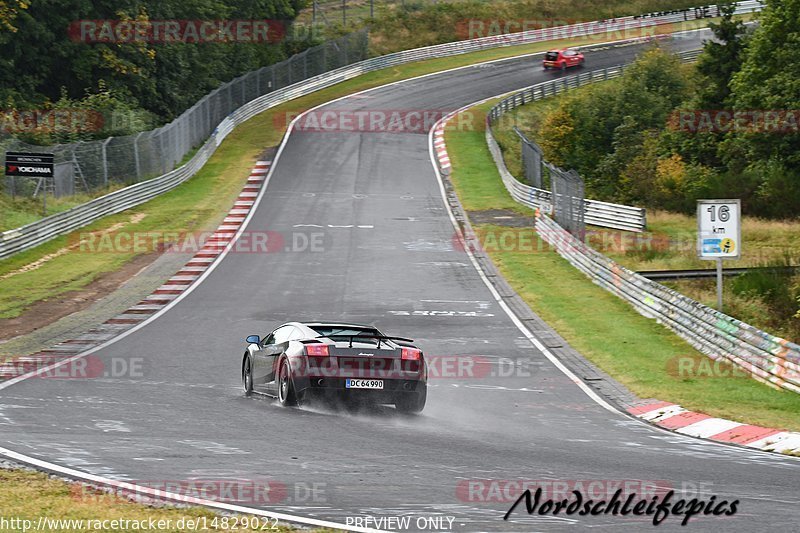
[767,358]
[41,231]
[602,214]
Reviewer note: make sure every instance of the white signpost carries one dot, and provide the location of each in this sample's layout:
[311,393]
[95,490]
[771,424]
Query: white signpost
[719,234]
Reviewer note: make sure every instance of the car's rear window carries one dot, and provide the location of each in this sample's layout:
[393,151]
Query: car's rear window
[551,56]
[335,331]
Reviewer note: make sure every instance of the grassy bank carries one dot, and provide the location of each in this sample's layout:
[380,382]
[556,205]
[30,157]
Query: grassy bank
[26,495]
[637,351]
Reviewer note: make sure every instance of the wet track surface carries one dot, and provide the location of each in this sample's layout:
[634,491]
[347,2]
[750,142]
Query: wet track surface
[387,257]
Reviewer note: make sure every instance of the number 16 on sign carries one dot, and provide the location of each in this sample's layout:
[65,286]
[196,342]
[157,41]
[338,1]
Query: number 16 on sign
[719,234]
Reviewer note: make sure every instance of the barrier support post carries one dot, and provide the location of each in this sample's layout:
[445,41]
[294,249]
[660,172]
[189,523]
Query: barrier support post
[719,284]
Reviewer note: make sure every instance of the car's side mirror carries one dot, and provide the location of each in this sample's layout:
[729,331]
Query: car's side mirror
[253,339]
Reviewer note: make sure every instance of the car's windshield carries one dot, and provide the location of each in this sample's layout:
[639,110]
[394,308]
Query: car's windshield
[551,56]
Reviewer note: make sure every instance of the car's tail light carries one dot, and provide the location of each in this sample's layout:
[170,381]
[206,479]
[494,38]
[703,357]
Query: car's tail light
[410,354]
[317,350]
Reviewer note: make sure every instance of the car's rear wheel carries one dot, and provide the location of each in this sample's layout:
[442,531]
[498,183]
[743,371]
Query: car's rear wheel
[412,403]
[286,394]
[247,376]
[563,65]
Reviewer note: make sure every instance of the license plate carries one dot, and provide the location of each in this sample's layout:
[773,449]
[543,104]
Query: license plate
[363,383]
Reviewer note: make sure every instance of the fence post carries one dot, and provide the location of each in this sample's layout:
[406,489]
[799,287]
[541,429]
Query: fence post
[163,151]
[210,126]
[105,161]
[136,155]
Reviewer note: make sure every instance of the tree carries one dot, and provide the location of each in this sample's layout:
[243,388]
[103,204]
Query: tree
[720,60]
[769,80]
[42,61]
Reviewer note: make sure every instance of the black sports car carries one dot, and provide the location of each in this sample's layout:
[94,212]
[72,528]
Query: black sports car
[348,362]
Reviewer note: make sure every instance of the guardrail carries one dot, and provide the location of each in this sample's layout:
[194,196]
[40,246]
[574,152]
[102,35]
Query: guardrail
[30,235]
[712,273]
[767,358]
[603,214]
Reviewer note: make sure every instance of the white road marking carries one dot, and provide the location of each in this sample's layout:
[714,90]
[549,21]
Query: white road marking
[214,447]
[457,301]
[443,263]
[111,425]
[440,313]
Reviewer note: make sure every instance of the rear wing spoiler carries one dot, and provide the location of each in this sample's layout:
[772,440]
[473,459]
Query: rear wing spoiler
[367,336]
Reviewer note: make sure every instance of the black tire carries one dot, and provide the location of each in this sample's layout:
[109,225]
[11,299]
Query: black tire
[247,376]
[412,403]
[563,66]
[286,394]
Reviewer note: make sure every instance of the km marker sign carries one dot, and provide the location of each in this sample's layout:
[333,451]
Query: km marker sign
[20,164]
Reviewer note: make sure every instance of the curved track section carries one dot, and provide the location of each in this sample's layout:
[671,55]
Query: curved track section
[387,257]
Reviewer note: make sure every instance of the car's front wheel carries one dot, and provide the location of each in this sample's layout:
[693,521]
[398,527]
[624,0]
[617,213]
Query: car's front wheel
[286,393]
[247,376]
[563,66]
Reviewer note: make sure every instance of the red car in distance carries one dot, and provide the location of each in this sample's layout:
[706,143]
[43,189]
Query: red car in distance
[562,59]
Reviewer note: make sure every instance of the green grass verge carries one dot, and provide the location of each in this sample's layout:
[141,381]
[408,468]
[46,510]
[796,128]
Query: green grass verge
[26,495]
[637,351]
[200,203]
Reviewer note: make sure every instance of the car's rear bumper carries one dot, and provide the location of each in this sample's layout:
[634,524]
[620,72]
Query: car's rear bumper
[334,389]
